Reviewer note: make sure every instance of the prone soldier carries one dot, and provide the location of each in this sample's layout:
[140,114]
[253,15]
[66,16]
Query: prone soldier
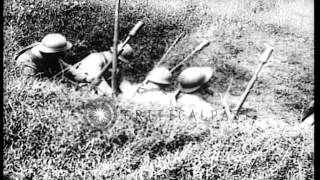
[190,82]
[92,65]
[45,59]
[151,91]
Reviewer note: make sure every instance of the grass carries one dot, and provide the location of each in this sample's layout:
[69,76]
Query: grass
[46,130]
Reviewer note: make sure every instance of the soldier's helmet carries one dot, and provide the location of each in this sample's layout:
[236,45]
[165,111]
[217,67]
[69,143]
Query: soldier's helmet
[160,75]
[191,79]
[126,54]
[53,43]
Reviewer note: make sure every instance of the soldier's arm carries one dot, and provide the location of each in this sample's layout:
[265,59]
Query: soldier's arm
[26,65]
[72,72]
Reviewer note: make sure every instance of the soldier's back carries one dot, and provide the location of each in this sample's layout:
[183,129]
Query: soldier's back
[92,65]
[146,97]
[191,102]
[153,97]
[31,62]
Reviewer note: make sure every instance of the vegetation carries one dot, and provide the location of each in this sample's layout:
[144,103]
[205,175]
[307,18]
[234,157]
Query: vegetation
[46,130]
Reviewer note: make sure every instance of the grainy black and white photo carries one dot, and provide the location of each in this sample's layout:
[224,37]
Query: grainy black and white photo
[158,89]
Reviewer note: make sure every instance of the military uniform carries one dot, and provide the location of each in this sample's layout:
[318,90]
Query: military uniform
[92,65]
[151,92]
[193,102]
[44,59]
[153,97]
[146,96]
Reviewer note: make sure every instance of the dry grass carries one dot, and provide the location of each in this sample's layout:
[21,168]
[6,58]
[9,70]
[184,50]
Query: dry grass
[46,132]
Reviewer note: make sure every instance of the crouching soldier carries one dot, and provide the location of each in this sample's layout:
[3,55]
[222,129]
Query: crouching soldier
[191,82]
[92,65]
[151,91]
[45,59]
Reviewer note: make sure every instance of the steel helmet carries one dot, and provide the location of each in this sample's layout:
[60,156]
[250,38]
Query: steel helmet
[53,43]
[126,54]
[160,75]
[191,79]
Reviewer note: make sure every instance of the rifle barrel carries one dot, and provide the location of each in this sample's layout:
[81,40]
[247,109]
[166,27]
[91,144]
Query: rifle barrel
[198,48]
[170,48]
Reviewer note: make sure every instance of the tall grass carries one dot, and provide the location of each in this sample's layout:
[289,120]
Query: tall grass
[92,22]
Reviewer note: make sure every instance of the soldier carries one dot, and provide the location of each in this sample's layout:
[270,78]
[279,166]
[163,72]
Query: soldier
[190,83]
[44,59]
[152,91]
[92,65]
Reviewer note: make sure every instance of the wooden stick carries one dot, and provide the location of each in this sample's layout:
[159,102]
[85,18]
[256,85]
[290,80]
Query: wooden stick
[264,58]
[115,50]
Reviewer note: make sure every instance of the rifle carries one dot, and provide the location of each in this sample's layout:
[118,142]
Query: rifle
[145,81]
[170,48]
[197,49]
[132,33]
[263,58]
